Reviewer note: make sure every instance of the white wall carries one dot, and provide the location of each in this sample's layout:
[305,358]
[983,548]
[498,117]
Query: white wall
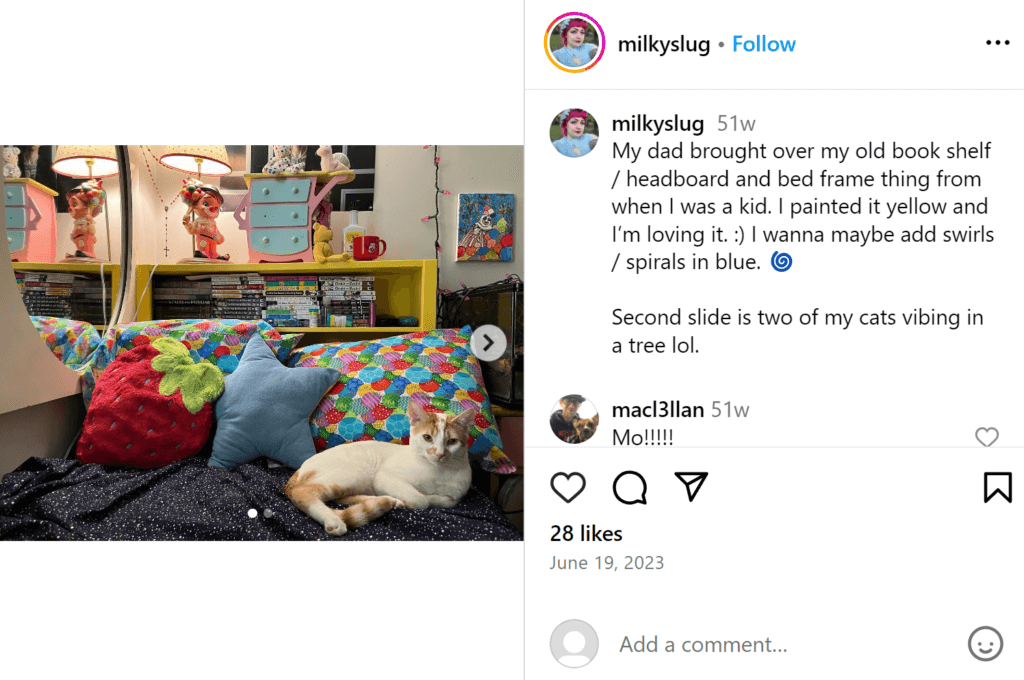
[405,193]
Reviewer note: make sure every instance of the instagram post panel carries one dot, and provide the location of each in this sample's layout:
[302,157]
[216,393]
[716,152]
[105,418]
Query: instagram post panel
[769,427]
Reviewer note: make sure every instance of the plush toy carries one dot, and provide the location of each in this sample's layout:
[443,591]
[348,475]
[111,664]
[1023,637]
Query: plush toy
[287,159]
[152,405]
[322,251]
[332,163]
[11,168]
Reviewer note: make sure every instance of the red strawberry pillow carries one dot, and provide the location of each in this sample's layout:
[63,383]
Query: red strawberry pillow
[152,406]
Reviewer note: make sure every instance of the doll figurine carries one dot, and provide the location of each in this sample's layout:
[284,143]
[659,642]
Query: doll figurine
[200,220]
[84,203]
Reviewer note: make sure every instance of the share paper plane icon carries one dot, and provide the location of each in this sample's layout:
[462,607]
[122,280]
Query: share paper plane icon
[693,482]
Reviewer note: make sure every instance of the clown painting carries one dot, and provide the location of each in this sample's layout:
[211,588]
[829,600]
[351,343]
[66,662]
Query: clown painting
[485,227]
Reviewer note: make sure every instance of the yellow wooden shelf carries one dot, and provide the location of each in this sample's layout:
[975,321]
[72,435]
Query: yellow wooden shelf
[321,177]
[111,272]
[354,268]
[67,267]
[404,288]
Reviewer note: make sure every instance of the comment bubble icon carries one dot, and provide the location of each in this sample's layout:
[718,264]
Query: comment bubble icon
[630,488]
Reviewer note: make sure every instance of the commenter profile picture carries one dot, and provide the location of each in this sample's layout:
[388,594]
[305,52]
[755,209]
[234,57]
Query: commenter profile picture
[574,42]
[574,133]
[574,419]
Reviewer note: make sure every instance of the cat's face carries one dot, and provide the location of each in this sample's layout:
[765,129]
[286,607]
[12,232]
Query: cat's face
[439,438]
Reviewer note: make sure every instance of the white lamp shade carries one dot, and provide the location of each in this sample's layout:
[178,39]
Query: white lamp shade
[72,160]
[183,158]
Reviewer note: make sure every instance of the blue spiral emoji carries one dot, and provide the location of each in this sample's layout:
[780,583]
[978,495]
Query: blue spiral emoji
[781,261]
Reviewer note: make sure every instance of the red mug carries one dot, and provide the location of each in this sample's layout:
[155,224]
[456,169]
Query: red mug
[368,247]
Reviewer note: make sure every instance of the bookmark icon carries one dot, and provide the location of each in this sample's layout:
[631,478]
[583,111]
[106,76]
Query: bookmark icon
[693,481]
[999,484]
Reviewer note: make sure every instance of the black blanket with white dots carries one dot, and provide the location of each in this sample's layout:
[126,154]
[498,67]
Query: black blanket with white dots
[47,498]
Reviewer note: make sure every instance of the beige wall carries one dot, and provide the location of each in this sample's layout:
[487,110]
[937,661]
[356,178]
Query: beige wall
[404,193]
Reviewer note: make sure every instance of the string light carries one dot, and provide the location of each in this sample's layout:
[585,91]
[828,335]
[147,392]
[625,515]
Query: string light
[438,191]
[451,300]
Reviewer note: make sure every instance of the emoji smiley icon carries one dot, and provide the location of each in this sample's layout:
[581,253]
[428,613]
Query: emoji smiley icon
[985,643]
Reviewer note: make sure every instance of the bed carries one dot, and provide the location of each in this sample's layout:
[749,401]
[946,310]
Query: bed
[65,499]
[54,499]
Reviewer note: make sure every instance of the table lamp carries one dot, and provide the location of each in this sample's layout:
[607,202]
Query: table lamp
[86,200]
[203,201]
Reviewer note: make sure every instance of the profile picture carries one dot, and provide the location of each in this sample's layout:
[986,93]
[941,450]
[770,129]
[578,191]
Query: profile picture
[574,133]
[574,419]
[574,42]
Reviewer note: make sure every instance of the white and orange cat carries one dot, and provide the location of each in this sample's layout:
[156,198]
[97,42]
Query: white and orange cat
[374,477]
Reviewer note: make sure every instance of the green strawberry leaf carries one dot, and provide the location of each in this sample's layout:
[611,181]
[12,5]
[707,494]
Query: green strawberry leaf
[170,346]
[199,383]
[172,353]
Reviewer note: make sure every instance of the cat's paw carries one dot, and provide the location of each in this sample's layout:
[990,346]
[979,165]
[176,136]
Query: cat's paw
[335,527]
[396,502]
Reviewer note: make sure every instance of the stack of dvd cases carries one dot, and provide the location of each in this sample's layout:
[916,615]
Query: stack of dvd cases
[348,301]
[238,296]
[47,293]
[177,298]
[87,302]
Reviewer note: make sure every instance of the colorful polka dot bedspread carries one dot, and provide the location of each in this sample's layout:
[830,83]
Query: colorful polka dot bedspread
[72,342]
[379,378]
[215,341]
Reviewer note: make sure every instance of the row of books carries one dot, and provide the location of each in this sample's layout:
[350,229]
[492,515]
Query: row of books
[68,296]
[288,300]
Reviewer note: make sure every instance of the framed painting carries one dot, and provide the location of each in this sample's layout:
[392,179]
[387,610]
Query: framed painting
[486,227]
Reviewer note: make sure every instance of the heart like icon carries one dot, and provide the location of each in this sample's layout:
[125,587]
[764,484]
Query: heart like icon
[987,435]
[565,487]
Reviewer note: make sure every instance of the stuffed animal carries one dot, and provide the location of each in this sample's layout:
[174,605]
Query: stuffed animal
[322,251]
[11,168]
[285,160]
[332,163]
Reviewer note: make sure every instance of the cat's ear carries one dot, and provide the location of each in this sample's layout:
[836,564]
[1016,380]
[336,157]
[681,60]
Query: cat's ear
[464,419]
[416,413]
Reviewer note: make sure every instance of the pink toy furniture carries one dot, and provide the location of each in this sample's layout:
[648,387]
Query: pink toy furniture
[277,213]
[31,217]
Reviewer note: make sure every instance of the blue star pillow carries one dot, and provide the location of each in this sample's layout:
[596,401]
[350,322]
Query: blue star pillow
[265,409]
